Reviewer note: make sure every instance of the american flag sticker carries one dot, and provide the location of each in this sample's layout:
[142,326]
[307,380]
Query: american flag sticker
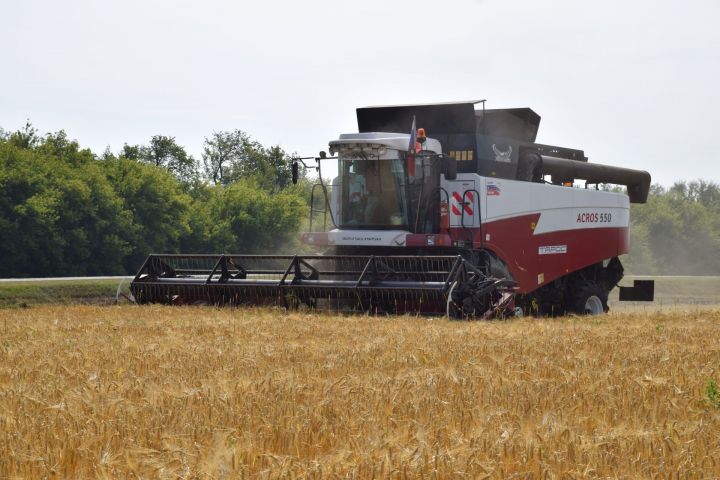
[492,190]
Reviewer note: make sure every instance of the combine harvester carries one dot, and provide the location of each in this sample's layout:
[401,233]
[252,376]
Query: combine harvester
[473,220]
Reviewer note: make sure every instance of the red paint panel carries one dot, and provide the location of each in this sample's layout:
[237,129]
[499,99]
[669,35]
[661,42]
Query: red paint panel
[421,240]
[514,241]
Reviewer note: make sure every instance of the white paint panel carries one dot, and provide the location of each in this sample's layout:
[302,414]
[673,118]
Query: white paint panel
[558,219]
[559,206]
[379,238]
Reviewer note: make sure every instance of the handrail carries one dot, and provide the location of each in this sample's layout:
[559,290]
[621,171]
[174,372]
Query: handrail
[430,197]
[314,210]
[479,212]
[325,210]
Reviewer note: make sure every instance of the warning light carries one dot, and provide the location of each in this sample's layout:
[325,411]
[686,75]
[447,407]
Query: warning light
[421,135]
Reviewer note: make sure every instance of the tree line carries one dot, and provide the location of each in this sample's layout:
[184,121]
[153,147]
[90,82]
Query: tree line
[678,231]
[65,210]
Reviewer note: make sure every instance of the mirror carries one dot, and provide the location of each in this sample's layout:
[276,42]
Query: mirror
[449,167]
[295,169]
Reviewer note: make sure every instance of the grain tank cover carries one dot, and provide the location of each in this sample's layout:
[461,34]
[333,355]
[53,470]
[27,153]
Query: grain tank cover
[466,130]
[445,118]
[452,124]
[461,118]
[519,123]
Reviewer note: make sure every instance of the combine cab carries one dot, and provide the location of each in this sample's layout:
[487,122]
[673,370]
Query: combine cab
[474,220]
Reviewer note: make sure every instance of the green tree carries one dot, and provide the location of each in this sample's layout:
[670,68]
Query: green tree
[280,165]
[67,211]
[222,152]
[157,205]
[26,137]
[163,151]
[58,213]
[244,217]
[200,222]
[131,152]
[233,155]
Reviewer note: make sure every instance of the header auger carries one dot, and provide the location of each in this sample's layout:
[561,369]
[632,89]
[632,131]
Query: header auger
[473,220]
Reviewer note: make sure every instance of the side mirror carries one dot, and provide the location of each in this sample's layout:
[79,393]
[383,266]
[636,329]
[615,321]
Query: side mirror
[449,167]
[295,169]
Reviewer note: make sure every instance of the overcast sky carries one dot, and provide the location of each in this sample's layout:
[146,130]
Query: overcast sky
[633,83]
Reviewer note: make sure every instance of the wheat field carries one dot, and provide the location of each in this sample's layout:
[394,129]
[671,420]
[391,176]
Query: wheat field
[196,392]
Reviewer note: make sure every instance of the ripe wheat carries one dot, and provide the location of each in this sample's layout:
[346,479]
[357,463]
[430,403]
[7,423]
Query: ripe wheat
[197,392]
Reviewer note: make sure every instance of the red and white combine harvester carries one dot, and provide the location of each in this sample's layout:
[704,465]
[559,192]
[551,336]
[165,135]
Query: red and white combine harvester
[465,216]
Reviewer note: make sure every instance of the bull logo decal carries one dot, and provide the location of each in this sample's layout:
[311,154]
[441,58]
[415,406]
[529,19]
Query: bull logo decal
[501,156]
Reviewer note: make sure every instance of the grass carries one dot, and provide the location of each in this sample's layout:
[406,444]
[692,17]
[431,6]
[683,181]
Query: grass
[713,393]
[669,292]
[672,291]
[26,293]
[187,392]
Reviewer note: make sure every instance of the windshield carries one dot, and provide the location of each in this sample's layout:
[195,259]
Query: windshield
[372,192]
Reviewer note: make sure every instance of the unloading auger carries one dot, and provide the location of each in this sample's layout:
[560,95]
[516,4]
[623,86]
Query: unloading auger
[476,221]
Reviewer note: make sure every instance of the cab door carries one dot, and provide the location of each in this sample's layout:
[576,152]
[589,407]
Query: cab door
[464,203]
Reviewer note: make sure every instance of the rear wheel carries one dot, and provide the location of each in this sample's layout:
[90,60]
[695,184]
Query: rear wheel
[588,298]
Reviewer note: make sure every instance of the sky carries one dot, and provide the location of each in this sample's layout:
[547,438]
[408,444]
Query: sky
[633,83]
